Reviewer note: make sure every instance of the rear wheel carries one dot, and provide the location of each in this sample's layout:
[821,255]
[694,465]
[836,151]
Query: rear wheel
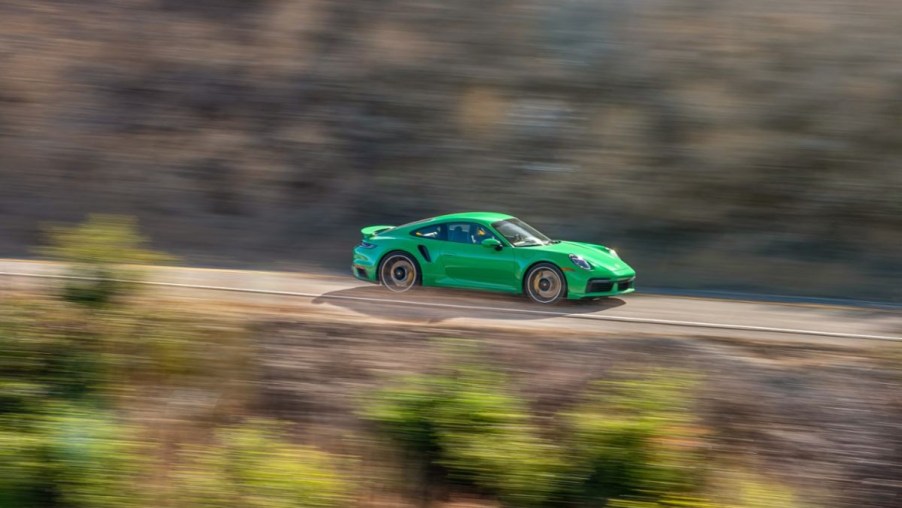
[398,272]
[545,284]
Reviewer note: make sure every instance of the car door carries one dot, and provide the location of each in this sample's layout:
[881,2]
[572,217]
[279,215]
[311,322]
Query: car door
[468,263]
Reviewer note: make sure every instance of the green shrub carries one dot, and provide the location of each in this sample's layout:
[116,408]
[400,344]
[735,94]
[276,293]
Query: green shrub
[98,252]
[737,488]
[22,470]
[635,440]
[95,460]
[50,352]
[253,466]
[675,502]
[62,370]
[57,447]
[54,351]
[463,423]
[407,413]
[158,349]
[515,464]
[76,457]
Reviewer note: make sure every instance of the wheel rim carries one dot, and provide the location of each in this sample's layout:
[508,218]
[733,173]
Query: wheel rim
[545,285]
[398,273]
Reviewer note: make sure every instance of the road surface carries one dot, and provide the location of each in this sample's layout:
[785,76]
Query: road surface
[637,313]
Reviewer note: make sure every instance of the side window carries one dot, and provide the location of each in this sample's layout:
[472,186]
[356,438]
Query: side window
[459,232]
[467,232]
[435,232]
[483,233]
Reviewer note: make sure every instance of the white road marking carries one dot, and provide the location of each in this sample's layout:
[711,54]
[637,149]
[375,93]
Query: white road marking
[534,312]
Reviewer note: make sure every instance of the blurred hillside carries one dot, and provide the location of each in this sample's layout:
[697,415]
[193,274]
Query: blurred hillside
[716,143]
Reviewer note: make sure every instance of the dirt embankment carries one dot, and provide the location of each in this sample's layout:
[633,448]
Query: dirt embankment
[824,420]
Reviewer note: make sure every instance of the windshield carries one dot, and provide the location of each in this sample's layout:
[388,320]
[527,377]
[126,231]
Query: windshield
[520,234]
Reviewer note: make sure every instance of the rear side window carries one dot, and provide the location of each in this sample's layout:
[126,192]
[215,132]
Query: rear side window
[434,232]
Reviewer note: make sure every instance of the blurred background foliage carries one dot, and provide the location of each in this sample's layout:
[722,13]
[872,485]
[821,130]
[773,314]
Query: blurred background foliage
[716,144]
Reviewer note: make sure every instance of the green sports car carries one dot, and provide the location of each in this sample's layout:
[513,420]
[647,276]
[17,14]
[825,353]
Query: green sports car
[488,251]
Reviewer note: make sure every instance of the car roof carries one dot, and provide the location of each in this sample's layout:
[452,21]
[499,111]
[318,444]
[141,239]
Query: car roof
[485,217]
[475,216]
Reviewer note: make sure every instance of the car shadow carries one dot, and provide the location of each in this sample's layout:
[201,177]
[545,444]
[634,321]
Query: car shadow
[433,305]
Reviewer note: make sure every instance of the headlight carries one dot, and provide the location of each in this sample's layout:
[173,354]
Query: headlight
[367,245]
[580,262]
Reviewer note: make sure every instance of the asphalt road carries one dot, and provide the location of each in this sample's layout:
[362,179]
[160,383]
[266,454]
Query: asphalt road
[636,314]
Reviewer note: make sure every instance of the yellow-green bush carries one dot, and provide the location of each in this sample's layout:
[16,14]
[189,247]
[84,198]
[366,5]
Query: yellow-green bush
[157,349]
[74,456]
[21,469]
[677,502]
[465,422]
[486,438]
[254,466]
[62,372]
[98,252]
[60,447]
[50,351]
[60,351]
[94,459]
[738,488]
[633,440]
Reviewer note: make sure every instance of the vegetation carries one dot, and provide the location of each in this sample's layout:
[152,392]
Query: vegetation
[99,253]
[464,426]
[634,442]
[72,456]
[254,465]
[93,459]
[73,375]
[63,443]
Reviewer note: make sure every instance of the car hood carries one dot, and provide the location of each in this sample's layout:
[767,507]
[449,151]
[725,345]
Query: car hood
[596,255]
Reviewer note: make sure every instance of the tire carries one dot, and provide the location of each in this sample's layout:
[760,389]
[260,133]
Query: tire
[399,272]
[545,283]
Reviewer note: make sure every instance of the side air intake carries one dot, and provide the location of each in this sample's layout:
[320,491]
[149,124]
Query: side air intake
[425,252]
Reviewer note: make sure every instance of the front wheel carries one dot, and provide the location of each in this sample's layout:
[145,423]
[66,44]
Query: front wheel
[545,284]
[398,272]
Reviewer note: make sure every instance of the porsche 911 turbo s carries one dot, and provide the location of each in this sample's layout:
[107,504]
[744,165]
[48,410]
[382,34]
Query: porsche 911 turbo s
[492,252]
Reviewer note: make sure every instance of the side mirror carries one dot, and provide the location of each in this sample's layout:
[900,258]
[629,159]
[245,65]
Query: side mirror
[493,243]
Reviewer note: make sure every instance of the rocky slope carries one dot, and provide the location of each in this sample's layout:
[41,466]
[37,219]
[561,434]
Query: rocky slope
[718,144]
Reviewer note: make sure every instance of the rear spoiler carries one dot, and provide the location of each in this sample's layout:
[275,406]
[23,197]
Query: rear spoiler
[371,231]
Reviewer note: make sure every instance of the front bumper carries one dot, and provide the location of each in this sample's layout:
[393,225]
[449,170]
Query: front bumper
[589,285]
